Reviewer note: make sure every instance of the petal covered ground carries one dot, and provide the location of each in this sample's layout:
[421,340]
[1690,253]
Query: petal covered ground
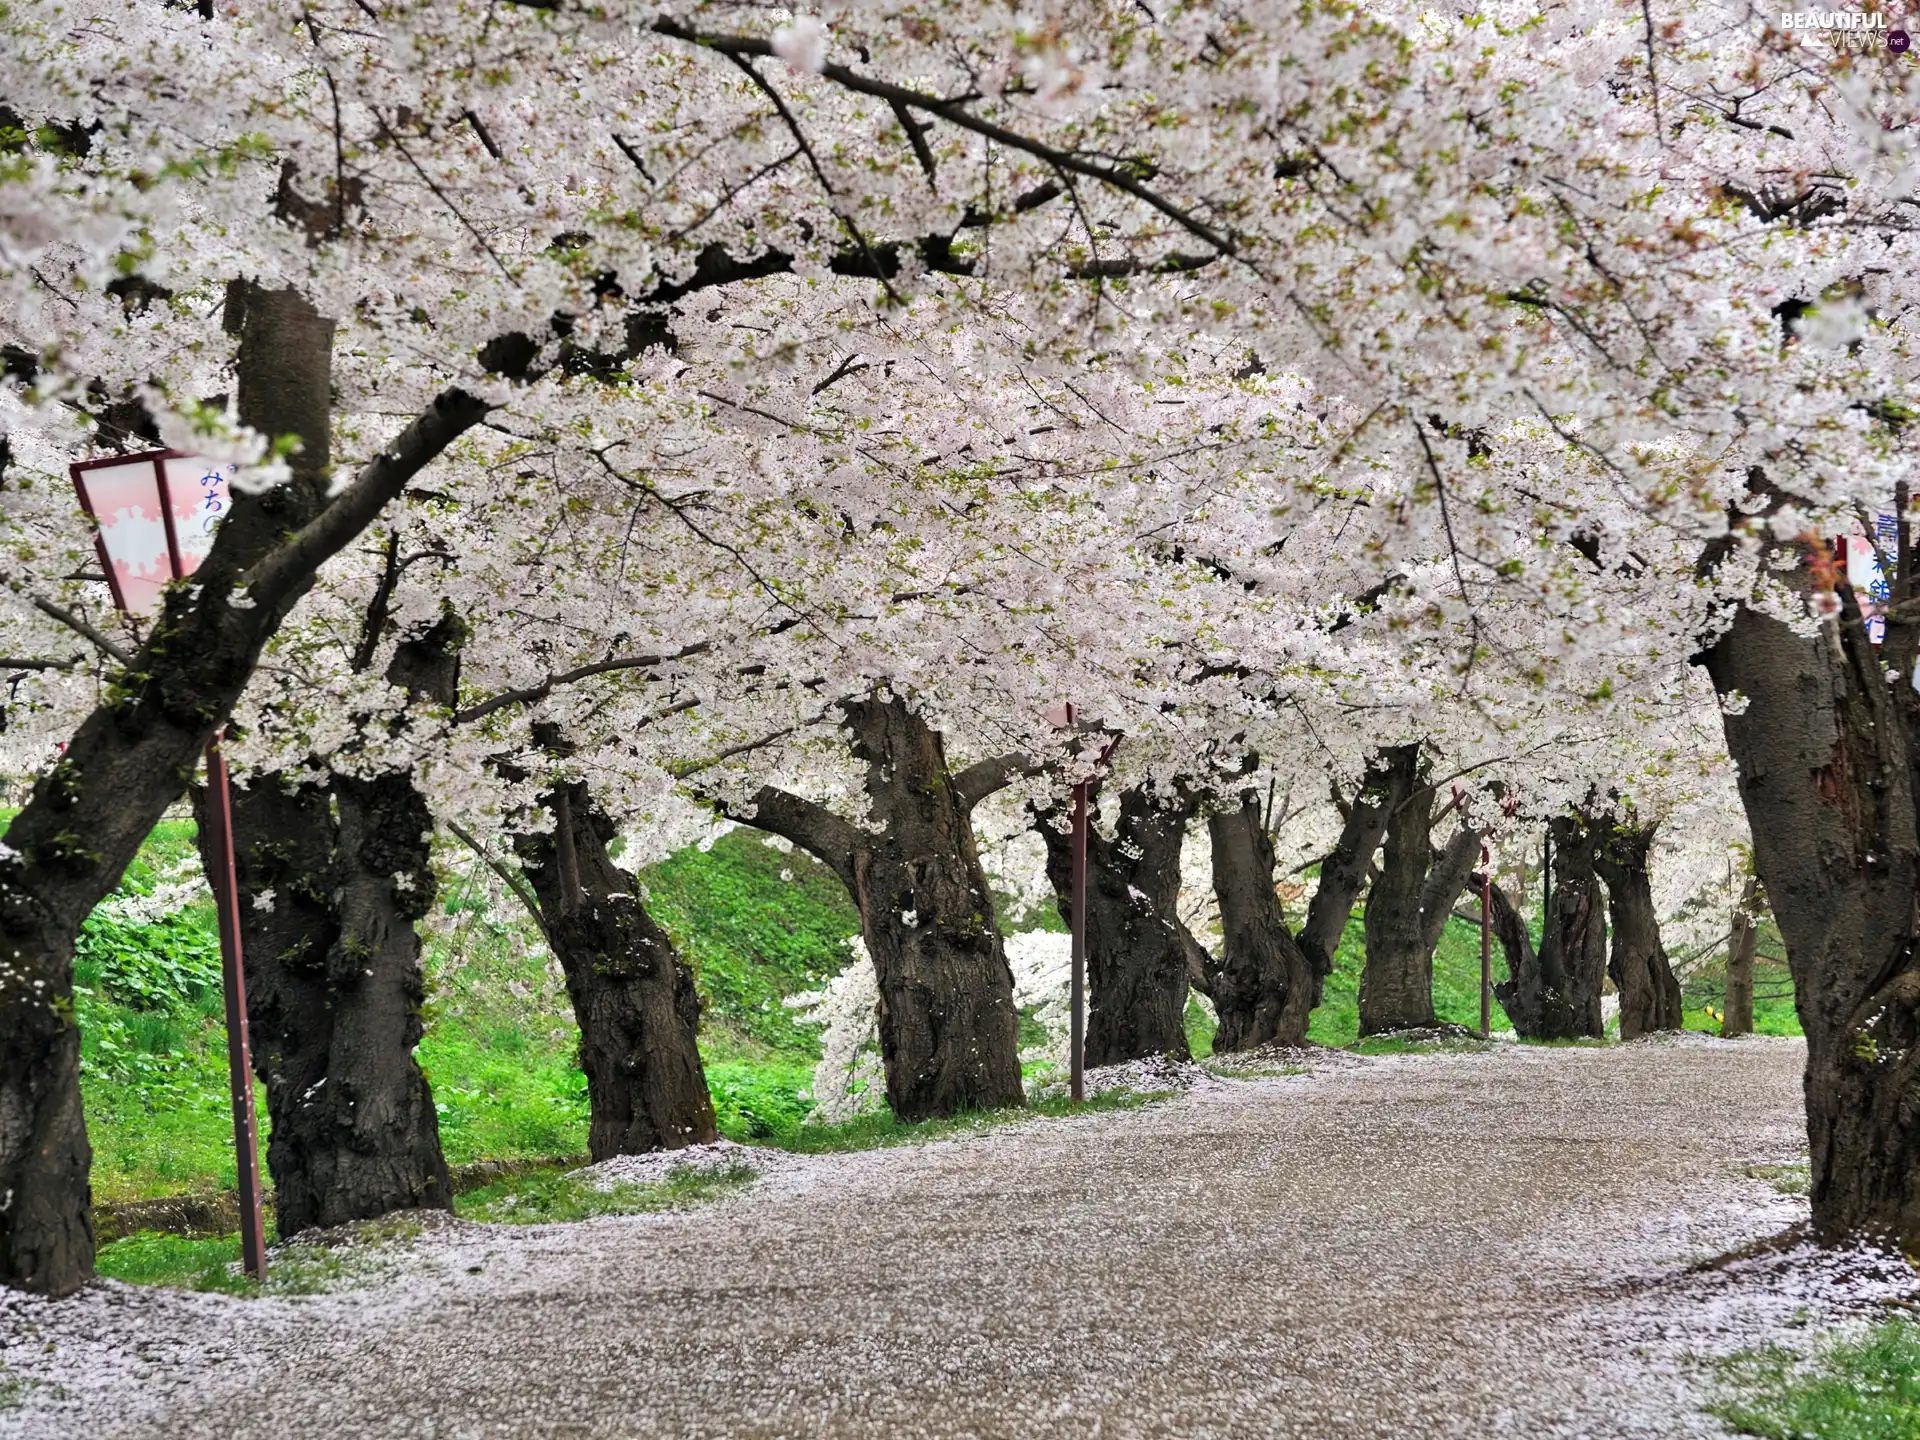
[1455,1244]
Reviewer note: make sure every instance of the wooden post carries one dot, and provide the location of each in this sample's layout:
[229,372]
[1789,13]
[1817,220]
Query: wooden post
[1077,986]
[1486,942]
[246,1130]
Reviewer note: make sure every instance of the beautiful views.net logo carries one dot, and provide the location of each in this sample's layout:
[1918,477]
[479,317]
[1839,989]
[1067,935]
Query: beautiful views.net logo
[1845,30]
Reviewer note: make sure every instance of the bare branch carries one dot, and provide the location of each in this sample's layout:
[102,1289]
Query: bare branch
[81,628]
[516,883]
[530,693]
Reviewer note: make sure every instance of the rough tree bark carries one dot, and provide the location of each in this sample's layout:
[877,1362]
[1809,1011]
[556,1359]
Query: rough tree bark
[1139,955]
[1267,980]
[1737,1018]
[1263,986]
[949,1033]
[334,987]
[1649,993]
[633,995]
[1412,896]
[1554,993]
[136,753]
[1825,748]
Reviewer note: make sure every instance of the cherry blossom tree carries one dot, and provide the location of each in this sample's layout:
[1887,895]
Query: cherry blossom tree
[1550,337]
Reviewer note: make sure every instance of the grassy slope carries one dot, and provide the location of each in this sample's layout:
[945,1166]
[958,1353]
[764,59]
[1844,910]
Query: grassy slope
[500,1039]
[757,923]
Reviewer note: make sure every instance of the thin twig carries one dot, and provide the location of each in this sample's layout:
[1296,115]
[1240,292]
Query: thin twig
[516,883]
[81,628]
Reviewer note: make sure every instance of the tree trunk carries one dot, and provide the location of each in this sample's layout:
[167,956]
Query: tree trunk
[1649,993]
[1824,745]
[87,816]
[1407,908]
[334,988]
[1267,981]
[949,1033]
[1139,955]
[1737,1018]
[633,995]
[1263,986]
[1554,994]
[136,753]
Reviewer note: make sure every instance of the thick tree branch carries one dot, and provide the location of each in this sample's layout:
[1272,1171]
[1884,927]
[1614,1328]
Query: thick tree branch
[814,828]
[1344,871]
[530,693]
[984,777]
[284,571]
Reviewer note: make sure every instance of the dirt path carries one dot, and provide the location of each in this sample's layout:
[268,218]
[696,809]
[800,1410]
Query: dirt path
[1440,1245]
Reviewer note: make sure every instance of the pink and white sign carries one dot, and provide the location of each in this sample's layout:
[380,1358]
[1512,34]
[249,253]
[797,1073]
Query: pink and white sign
[155,516]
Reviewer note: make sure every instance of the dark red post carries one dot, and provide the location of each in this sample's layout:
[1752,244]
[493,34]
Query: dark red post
[246,1130]
[1077,989]
[1486,945]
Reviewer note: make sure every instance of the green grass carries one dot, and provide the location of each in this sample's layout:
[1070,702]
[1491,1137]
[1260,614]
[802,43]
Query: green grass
[17,1390]
[551,1196]
[878,1130]
[213,1263]
[1793,1178]
[1773,1012]
[1199,1028]
[757,923]
[754,1102]
[503,1095]
[1456,984]
[1864,1388]
[500,1044]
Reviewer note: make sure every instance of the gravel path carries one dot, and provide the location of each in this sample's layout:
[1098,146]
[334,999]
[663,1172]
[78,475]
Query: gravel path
[1462,1244]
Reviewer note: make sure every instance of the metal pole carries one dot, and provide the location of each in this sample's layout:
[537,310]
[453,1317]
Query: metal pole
[246,1130]
[1076,1039]
[1486,943]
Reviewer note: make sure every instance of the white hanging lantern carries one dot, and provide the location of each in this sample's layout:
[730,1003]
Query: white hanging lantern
[154,517]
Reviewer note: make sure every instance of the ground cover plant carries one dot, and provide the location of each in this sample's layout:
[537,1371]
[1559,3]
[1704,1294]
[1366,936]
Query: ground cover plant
[1858,1387]
[500,1040]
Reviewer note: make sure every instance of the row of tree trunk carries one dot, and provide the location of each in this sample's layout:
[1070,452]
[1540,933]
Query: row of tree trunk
[1554,992]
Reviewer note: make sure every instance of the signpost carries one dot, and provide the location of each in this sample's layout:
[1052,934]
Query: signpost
[154,517]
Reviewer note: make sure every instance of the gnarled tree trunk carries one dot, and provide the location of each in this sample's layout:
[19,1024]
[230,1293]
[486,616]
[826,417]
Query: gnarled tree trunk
[1139,955]
[334,988]
[1554,994]
[1737,1018]
[1649,993]
[86,818]
[633,995]
[136,753]
[1263,986]
[1825,749]
[949,1033]
[1407,908]
[1267,981]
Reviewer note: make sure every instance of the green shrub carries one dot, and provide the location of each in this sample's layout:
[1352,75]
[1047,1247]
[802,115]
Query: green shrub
[756,1102]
